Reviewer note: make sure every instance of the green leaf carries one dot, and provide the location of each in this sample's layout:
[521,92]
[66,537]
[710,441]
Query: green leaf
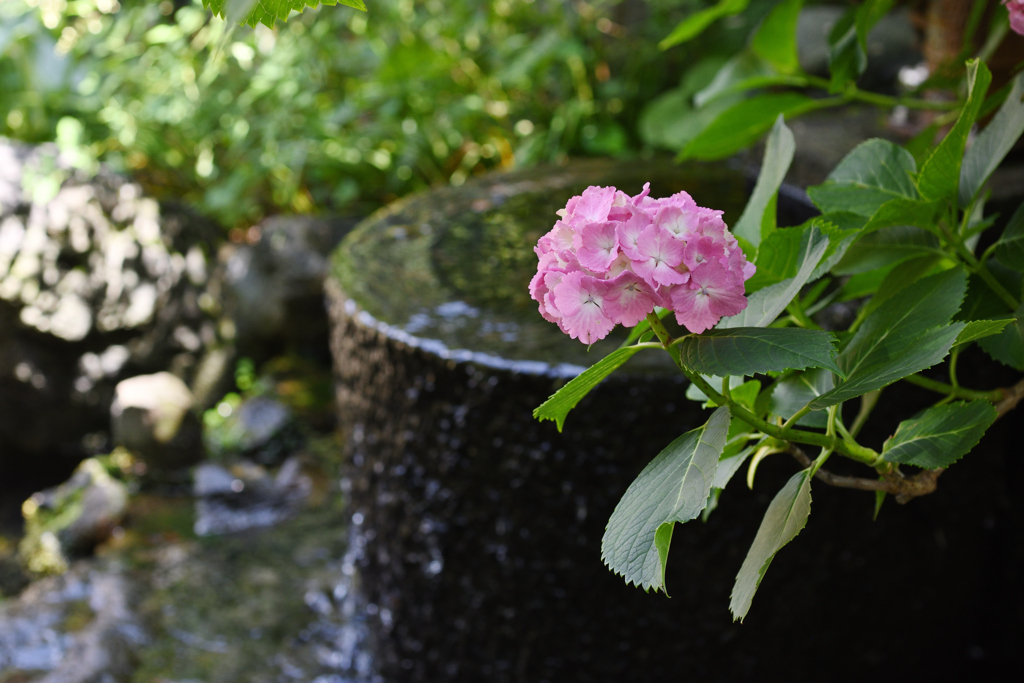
[875,172]
[979,329]
[940,173]
[729,466]
[266,12]
[673,488]
[898,279]
[778,258]
[906,334]
[670,121]
[849,42]
[778,155]
[744,122]
[775,40]
[886,247]
[732,77]
[1010,247]
[1007,347]
[792,393]
[693,25]
[764,305]
[566,398]
[753,350]
[941,435]
[994,143]
[898,212]
[785,518]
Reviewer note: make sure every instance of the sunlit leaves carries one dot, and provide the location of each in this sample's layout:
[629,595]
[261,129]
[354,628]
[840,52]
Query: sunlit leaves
[673,488]
[786,517]
[941,435]
[252,12]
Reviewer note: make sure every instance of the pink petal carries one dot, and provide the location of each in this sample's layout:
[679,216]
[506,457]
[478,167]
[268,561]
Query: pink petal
[629,299]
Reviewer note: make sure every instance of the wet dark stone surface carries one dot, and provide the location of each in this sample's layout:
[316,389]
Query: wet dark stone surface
[479,528]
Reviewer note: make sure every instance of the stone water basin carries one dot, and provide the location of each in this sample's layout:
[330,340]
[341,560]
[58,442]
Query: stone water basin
[479,528]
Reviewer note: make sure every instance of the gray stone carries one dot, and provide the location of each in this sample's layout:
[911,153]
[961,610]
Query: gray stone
[151,416]
[71,519]
[246,496]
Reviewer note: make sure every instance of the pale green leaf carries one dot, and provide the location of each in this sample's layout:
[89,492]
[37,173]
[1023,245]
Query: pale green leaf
[875,172]
[566,398]
[764,305]
[785,518]
[940,174]
[754,350]
[743,68]
[778,155]
[729,466]
[993,144]
[693,25]
[674,487]
[775,40]
[939,436]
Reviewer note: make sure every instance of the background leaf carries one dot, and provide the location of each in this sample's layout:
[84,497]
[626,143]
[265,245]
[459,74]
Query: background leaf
[941,435]
[754,350]
[566,398]
[778,155]
[1010,247]
[673,488]
[775,39]
[693,25]
[744,122]
[786,517]
[993,144]
[266,12]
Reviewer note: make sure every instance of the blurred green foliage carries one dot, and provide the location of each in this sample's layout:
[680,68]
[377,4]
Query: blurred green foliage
[336,110]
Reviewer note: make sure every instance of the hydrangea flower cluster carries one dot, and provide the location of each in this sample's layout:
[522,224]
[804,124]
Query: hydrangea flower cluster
[1016,10]
[612,258]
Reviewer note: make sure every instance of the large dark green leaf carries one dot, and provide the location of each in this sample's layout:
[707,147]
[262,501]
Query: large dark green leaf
[693,25]
[785,518]
[1010,247]
[758,219]
[566,398]
[673,488]
[764,305]
[1007,347]
[775,39]
[886,247]
[757,350]
[940,173]
[875,172]
[898,212]
[994,143]
[898,279]
[743,123]
[941,435]
[906,334]
[792,393]
[266,12]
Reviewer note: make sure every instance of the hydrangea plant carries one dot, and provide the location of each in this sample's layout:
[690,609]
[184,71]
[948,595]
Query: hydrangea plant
[899,234]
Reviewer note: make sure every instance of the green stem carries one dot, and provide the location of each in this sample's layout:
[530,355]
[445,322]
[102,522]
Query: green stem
[793,420]
[854,93]
[955,392]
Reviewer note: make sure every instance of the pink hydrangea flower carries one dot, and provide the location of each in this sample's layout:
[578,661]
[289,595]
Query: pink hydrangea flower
[612,258]
[1016,10]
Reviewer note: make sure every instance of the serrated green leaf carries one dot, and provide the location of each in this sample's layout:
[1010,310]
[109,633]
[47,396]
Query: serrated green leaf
[566,398]
[1010,247]
[693,25]
[993,144]
[785,518]
[887,247]
[898,212]
[939,436]
[729,466]
[775,40]
[744,122]
[898,279]
[906,334]
[940,174]
[778,258]
[979,329]
[792,393]
[873,173]
[674,487]
[266,12]
[778,155]
[753,350]
[764,305]
[1007,347]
